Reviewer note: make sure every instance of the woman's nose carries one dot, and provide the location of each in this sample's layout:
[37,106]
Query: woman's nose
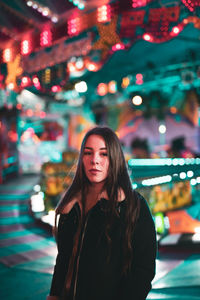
[95,159]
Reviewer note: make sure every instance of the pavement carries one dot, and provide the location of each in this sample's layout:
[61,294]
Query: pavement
[28,251]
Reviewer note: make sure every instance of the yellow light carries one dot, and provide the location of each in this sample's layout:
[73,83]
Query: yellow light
[7,55]
[11,86]
[125,82]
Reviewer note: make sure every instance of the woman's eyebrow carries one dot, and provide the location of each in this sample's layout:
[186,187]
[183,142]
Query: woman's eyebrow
[90,148]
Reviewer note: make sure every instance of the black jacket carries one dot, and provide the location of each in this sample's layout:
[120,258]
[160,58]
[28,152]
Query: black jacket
[97,278]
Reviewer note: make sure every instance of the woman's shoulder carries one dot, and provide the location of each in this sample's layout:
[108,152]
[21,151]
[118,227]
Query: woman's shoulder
[144,206]
[69,206]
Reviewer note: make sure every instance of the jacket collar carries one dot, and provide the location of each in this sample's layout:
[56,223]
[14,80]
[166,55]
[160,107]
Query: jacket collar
[103,195]
[121,195]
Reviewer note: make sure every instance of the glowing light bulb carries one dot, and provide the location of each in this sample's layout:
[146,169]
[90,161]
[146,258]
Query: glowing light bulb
[81,87]
[162,129]
[137,100]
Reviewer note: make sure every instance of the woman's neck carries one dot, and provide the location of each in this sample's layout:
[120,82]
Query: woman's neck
[95,188]
[93,195]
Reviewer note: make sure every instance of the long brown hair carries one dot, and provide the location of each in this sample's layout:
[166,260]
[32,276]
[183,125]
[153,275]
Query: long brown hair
[118,178]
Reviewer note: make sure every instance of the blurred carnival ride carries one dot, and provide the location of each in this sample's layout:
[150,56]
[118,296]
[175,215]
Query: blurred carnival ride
[55,179]
[172,189]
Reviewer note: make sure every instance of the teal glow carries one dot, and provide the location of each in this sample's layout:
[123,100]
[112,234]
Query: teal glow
[163,162]
[134,185]
[81,6]
[10,160]
[10,170]
[157,180]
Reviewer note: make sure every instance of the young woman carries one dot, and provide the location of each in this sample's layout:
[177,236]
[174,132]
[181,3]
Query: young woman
[106,237]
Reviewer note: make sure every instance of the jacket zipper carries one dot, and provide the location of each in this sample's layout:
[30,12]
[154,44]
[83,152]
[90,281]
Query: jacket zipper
[79,253]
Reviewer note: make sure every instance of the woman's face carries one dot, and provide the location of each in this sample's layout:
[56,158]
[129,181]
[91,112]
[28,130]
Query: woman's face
[95,159]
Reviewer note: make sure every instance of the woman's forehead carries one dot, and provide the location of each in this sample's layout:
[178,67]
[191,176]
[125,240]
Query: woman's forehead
[95,141]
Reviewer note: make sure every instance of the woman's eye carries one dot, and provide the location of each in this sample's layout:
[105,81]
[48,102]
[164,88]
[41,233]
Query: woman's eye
[87,153]
[104,154]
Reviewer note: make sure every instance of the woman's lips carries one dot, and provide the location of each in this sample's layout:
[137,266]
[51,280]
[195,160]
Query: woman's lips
[94,171]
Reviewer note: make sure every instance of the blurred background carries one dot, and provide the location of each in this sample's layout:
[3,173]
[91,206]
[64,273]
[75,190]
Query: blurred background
[69,65]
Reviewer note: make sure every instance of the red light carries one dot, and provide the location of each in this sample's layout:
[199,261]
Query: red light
[13,136]
[138,3]
[55,88]
[117,47]
[25,81]
[74,26]
[191,5]
[36,82]
[42,114]
[29,112]
[25,47]
[19,106]
[139,78]
[103,14]
[147,37]
[102,89]
[176,30]
[45,38]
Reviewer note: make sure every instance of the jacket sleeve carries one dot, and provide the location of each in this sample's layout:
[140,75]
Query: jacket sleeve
[137,284]
[64,243]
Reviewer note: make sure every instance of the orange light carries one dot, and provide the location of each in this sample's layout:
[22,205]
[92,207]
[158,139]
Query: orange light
[91,67]
[102,89]
[173,110]
[7,55]
[71,67]
[103,14]
[125,82]
[112,87]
